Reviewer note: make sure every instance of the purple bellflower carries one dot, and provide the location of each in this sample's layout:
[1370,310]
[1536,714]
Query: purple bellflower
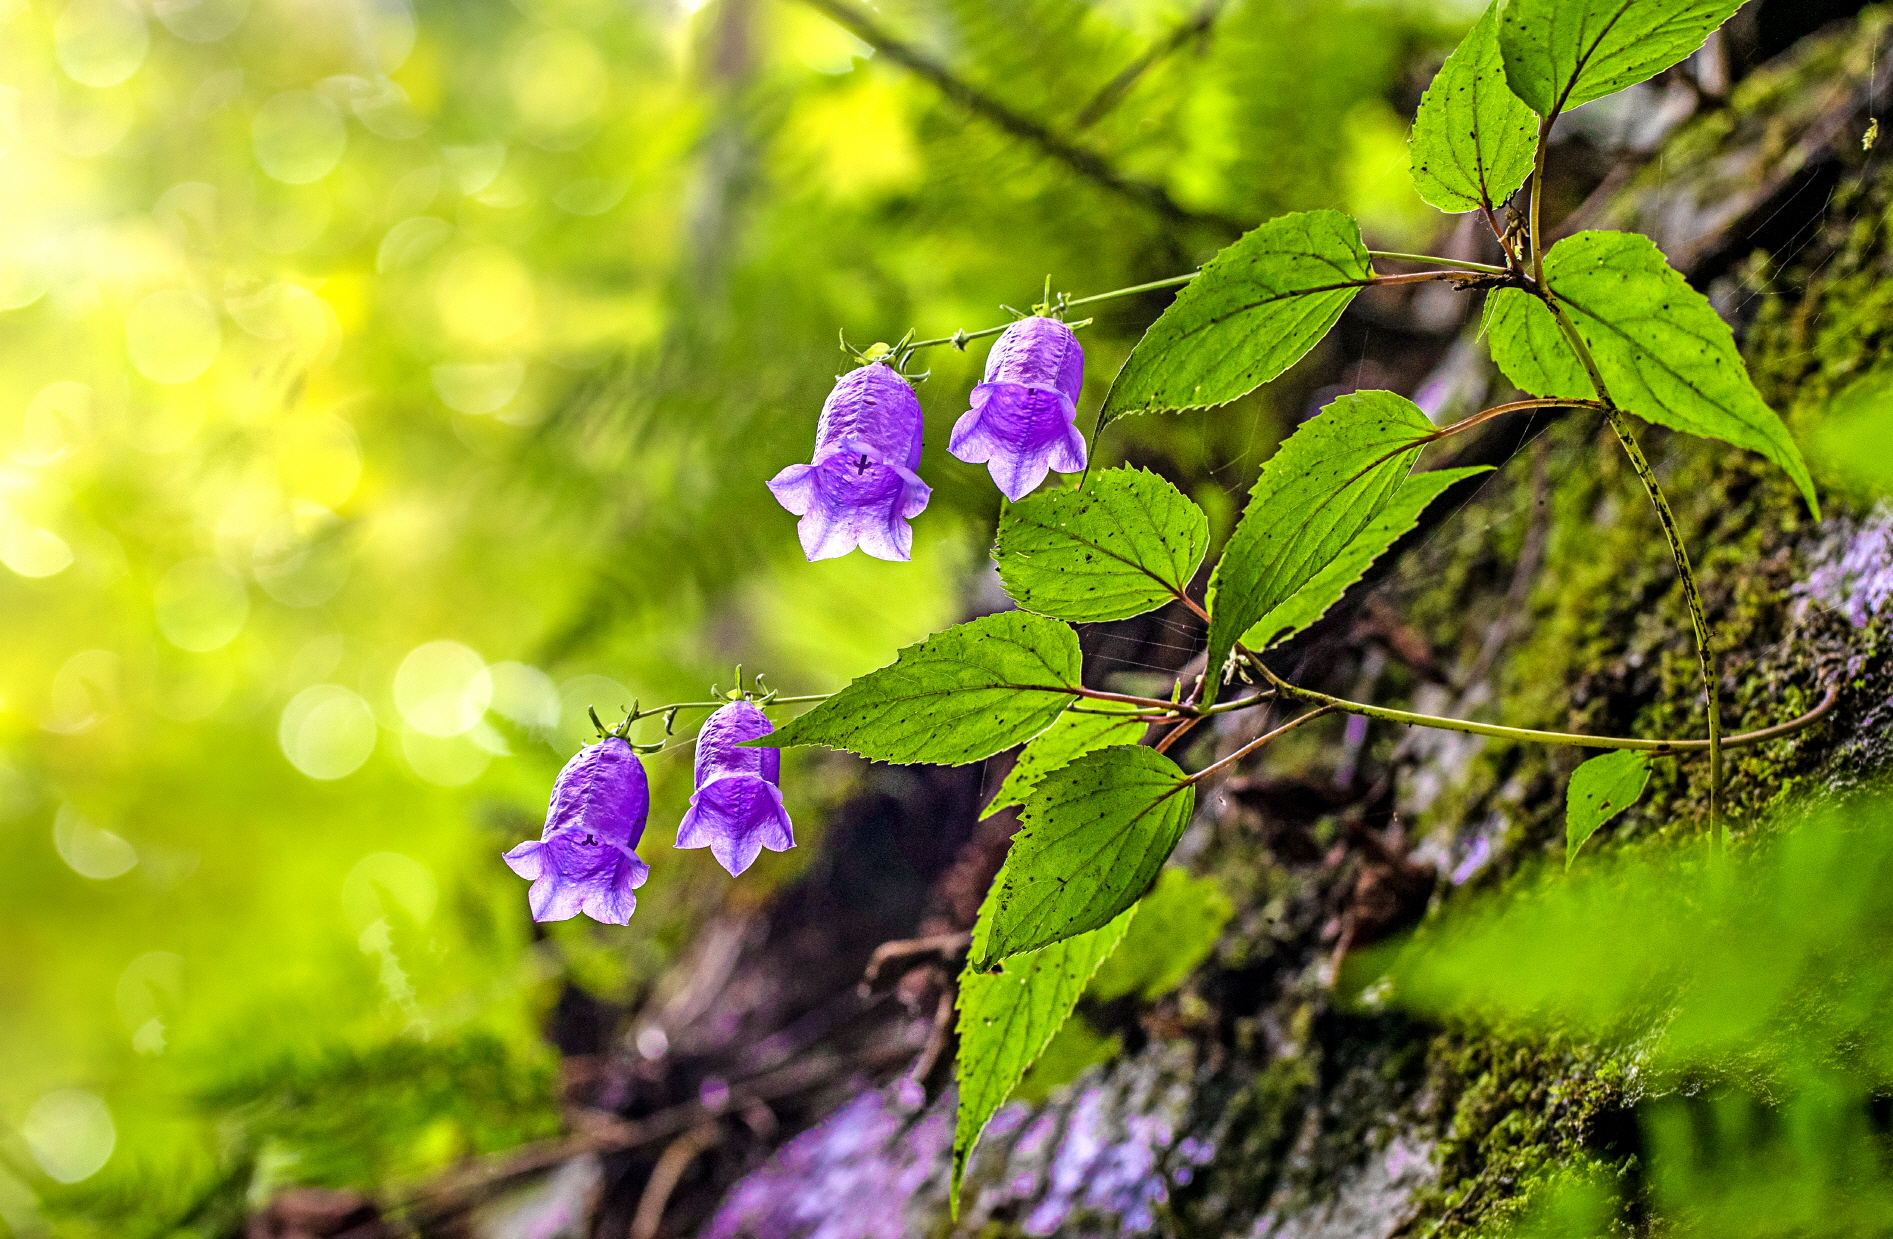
[736,810]
[861,489]
[584,861]
[1021,423]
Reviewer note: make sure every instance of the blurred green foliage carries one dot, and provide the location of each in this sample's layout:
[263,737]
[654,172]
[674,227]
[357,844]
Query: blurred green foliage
[1744,1004]
[381,385]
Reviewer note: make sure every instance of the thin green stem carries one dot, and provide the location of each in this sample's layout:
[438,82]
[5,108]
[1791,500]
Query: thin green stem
[1705,655]
[1662,748]
[1537,199]
[1134,289]
[959,339]
[711,705]
[1435,260]
[1244,703]
[1692,596]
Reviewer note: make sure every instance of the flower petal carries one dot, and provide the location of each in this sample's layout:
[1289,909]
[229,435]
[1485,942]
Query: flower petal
[1020,433]
[736,818]
[525,860]
[718,751]
[579,872]
[602,790]
[794,488]
[871,410]
[861,502]
[1038,352]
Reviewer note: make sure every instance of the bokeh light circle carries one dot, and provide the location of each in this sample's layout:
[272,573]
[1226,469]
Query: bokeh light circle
[298,137]
[100,42]
[71,1134]
[442,689]
[91,852]
[201,21]
[327,731]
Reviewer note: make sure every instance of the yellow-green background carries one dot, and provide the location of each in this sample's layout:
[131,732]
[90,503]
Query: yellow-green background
[333,331]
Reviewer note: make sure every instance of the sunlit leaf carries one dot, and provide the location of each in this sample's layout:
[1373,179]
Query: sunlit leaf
[1007,1020]
[960,695]
[1326,484]
[1093,837]
[1562,53]
[1600,789]
[1529,349]
[1175,929]
[1071,737]
[1325,588]
[1665,353]
[1127,543]
[1473,140]
[1257,307]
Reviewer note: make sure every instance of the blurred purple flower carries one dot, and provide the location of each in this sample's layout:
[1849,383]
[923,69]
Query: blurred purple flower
[861,489]
[584,861]
[736,810]
[1021,423]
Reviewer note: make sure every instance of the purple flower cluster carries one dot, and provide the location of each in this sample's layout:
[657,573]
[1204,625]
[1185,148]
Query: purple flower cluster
[585,861]
[861,488]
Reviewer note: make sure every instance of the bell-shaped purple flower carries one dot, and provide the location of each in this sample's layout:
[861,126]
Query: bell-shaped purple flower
[1021,425]
[861,489]
[736,810]
[584,861]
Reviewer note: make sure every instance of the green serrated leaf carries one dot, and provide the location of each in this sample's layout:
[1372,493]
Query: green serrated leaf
[1177,925]
[1066,740]
[1665,353]
[1093,836]
[1257,307]
[1325,588]
[1328,482]
[1006,1021]
[958,696]
[1562,53]
[1600,789]
[1530,350]
[1127,543]
[1473,141]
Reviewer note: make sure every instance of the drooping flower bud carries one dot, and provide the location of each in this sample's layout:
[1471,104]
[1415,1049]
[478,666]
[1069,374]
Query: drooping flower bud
[861,489]
[1021,425]
[584,861]
[736,810]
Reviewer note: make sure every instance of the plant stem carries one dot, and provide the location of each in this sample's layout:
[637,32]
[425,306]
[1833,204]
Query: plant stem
[1486,415]
[1537,198]
[711,705]
[1705,655]
[1692,596]
[959,338]
[1435,260]
[1152,703]
[1664,748]
[1134,289]
[1258,742]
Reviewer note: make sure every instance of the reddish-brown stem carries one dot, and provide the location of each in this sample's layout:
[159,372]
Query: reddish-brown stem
[1261,740]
